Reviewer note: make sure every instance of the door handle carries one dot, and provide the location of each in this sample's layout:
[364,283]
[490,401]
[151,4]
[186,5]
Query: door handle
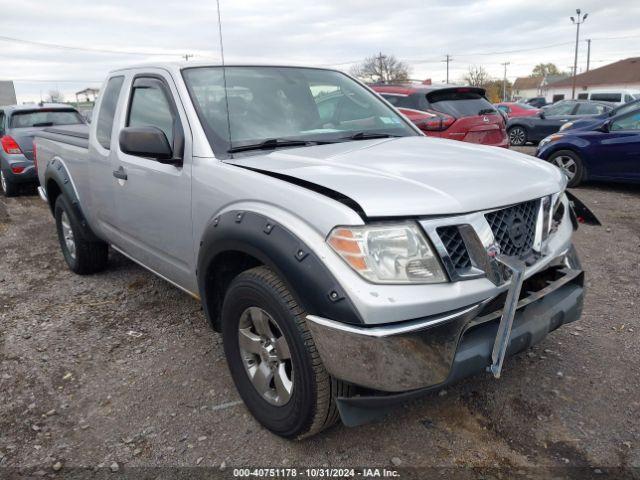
[120,173]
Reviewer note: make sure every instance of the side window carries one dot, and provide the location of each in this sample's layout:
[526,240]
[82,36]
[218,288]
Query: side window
[107,111]
[590,109]
[563,108]
[583,96]
[504,108]
[150,107]
[630,122]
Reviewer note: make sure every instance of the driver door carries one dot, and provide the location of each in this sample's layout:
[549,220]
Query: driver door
[153,199]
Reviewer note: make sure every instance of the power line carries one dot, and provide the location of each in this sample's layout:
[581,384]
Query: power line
[83,49]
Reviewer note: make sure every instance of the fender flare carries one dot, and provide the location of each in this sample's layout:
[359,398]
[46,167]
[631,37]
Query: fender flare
[57,172]
[308,279]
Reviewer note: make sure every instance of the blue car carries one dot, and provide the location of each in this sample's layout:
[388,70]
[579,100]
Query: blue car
[606,149]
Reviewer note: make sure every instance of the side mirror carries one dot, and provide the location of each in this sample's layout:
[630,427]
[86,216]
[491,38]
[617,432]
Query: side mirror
[606,127]
[542,115]
[148,142]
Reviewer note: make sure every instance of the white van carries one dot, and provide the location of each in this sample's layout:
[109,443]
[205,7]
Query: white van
[619,97]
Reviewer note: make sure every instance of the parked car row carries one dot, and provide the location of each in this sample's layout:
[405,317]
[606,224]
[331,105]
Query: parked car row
[602,147]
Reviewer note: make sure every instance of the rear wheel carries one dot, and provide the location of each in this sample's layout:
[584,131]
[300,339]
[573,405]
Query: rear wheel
[82,256]
[273,359]
[517,136]
[571,164]
[9,189]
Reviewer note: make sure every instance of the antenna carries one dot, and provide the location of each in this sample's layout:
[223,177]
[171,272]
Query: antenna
[224,74]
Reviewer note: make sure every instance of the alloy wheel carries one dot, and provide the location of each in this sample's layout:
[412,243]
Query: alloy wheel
[67,234]
[517,136]
[566,164]
[266,356]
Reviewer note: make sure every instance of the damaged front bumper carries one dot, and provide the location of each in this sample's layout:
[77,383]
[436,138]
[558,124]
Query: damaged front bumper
[402,360]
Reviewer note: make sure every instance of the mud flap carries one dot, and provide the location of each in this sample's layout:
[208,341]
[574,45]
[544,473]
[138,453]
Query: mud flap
[580,213]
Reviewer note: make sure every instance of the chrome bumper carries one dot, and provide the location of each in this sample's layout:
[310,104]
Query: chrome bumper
[420,353]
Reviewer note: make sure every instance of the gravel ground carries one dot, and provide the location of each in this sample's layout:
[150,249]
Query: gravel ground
[120,370]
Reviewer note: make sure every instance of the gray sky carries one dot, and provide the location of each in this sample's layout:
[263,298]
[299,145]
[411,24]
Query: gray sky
[327,33]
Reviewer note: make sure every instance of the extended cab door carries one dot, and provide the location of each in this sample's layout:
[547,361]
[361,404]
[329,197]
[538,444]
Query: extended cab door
[153,199]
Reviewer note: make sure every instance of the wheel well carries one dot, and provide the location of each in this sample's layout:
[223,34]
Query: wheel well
[221,271]
[53,190]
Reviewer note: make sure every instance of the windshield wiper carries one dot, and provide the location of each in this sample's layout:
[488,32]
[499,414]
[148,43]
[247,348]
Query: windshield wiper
[271,144]
[369,136]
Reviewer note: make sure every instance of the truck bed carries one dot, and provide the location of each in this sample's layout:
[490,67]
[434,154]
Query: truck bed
[76,135]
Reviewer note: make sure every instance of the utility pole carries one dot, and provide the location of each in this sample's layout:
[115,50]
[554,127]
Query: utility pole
[580,20]
[187,56]
[447,60]
[588,52]
[504,82]
[381,59]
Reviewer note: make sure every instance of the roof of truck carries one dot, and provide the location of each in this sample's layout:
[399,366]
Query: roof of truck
[182,65]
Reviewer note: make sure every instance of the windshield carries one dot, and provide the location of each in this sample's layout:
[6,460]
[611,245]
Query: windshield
[45,118]
[267,103]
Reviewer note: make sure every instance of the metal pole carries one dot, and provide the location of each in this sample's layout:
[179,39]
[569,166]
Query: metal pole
[575,62]
[588,53]
[504,82]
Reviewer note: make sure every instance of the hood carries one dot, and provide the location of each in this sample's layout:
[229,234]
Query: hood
[415,176]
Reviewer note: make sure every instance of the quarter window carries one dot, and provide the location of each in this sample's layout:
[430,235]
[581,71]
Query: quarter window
[590,109]
[107,111]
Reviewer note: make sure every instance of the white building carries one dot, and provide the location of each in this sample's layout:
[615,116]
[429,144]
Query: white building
[620,76]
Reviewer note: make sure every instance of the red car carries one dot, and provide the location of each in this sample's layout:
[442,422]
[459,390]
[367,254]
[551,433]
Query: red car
[456,113]
[514,109]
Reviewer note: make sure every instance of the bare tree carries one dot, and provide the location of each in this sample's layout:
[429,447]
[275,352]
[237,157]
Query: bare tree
[55,96]
[381,68]
[477,76]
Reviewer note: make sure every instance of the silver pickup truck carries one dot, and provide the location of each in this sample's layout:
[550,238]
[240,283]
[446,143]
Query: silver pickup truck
[350,262]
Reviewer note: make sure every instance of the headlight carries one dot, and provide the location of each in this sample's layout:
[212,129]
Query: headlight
[566,125]
[388,253]
[549,139]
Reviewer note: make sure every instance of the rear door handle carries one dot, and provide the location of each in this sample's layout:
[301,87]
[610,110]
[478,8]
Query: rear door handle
[120,173]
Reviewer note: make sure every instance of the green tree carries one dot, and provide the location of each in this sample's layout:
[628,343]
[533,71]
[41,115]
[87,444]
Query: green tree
[544,69]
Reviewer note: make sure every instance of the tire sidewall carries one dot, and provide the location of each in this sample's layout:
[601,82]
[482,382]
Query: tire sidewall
[579,176]
[63,206]
[518,127]
[297,414]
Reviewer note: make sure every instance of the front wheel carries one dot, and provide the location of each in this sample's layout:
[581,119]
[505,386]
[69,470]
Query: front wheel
[571,164]
[517,136]
[273,359]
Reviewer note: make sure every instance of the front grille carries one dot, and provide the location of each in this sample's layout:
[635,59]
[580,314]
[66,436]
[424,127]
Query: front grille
[453,243]
[514,227]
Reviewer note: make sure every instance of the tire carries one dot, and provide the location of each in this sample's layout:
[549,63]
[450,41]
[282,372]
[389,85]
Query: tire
[571,164]
[309,405]
[518,136]
[83,257]
[9,188]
